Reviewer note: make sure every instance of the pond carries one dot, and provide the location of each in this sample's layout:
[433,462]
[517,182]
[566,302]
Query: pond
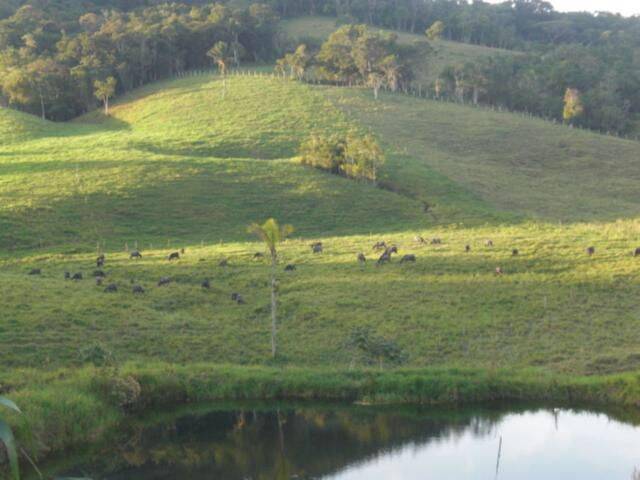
[340,442]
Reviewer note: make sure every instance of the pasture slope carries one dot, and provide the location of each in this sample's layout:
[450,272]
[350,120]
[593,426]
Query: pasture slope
[179,165]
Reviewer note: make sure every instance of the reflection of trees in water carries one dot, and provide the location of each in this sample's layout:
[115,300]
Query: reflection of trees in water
[278,444]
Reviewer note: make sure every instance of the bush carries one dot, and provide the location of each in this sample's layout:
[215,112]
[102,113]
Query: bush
[351,156]
[373,349]
[121,391]
[96,354]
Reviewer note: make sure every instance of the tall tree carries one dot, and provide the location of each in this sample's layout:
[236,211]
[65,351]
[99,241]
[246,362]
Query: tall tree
[272,234]
[435,31]
[104,90]
[222,56]
[572,105]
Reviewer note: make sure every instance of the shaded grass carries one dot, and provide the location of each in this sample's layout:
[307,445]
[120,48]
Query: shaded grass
[512,163]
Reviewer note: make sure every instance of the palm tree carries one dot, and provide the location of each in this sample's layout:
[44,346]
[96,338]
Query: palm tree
[271,233]
[221,55]
[375,81]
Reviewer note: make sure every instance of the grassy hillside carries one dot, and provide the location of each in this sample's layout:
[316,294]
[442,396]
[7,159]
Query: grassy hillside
[554,306]
[176,161]
[177,165]
[318,28]
[512,163]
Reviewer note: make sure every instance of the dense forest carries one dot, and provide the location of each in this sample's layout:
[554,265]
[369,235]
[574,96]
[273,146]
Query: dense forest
[57,56]
[53,61]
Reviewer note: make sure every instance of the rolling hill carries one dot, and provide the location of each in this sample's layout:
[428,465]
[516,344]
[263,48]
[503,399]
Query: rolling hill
[179,165]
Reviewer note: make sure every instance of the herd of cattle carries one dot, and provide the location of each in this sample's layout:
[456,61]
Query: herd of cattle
[316,247]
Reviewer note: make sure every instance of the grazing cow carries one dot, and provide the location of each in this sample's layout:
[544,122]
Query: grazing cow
[488,243]
[67,275]
[289,268]
[236,297]
[591,251]
[408,258]
[112,287]
[636,253]
[380,246]
[164,281]
[100,261]
[436,241]
[206,284]
[419,239]
[135,254]
[316,247]
[35,271]
[137,289]
[174,256]
[76,276]
[362,258]
[99,281]
[467,248]
[515,252]
[386,256]
[499,271]
[223,263]
[258,255]
[99,273]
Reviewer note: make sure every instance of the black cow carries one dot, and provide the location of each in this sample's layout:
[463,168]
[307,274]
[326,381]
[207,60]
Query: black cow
[236,297]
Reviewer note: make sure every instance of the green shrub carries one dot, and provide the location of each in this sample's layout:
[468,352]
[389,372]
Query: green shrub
[351,156]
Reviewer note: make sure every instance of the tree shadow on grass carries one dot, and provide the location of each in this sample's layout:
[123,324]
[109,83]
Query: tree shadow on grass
[206,201]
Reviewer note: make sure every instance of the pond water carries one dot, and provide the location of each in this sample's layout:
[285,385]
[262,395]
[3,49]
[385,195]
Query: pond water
[364,443]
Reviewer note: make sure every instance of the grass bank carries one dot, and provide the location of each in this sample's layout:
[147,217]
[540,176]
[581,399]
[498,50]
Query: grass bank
[65,409]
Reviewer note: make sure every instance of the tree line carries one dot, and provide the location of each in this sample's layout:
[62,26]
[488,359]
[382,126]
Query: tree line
[513,24]
[58,66]
[356,55]
[596,87]
[592,87]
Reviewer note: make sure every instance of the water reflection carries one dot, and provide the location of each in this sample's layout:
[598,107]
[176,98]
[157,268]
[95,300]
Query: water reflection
[360,443]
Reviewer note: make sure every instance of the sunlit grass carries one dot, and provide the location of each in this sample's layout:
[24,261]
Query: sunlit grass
[554,306]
